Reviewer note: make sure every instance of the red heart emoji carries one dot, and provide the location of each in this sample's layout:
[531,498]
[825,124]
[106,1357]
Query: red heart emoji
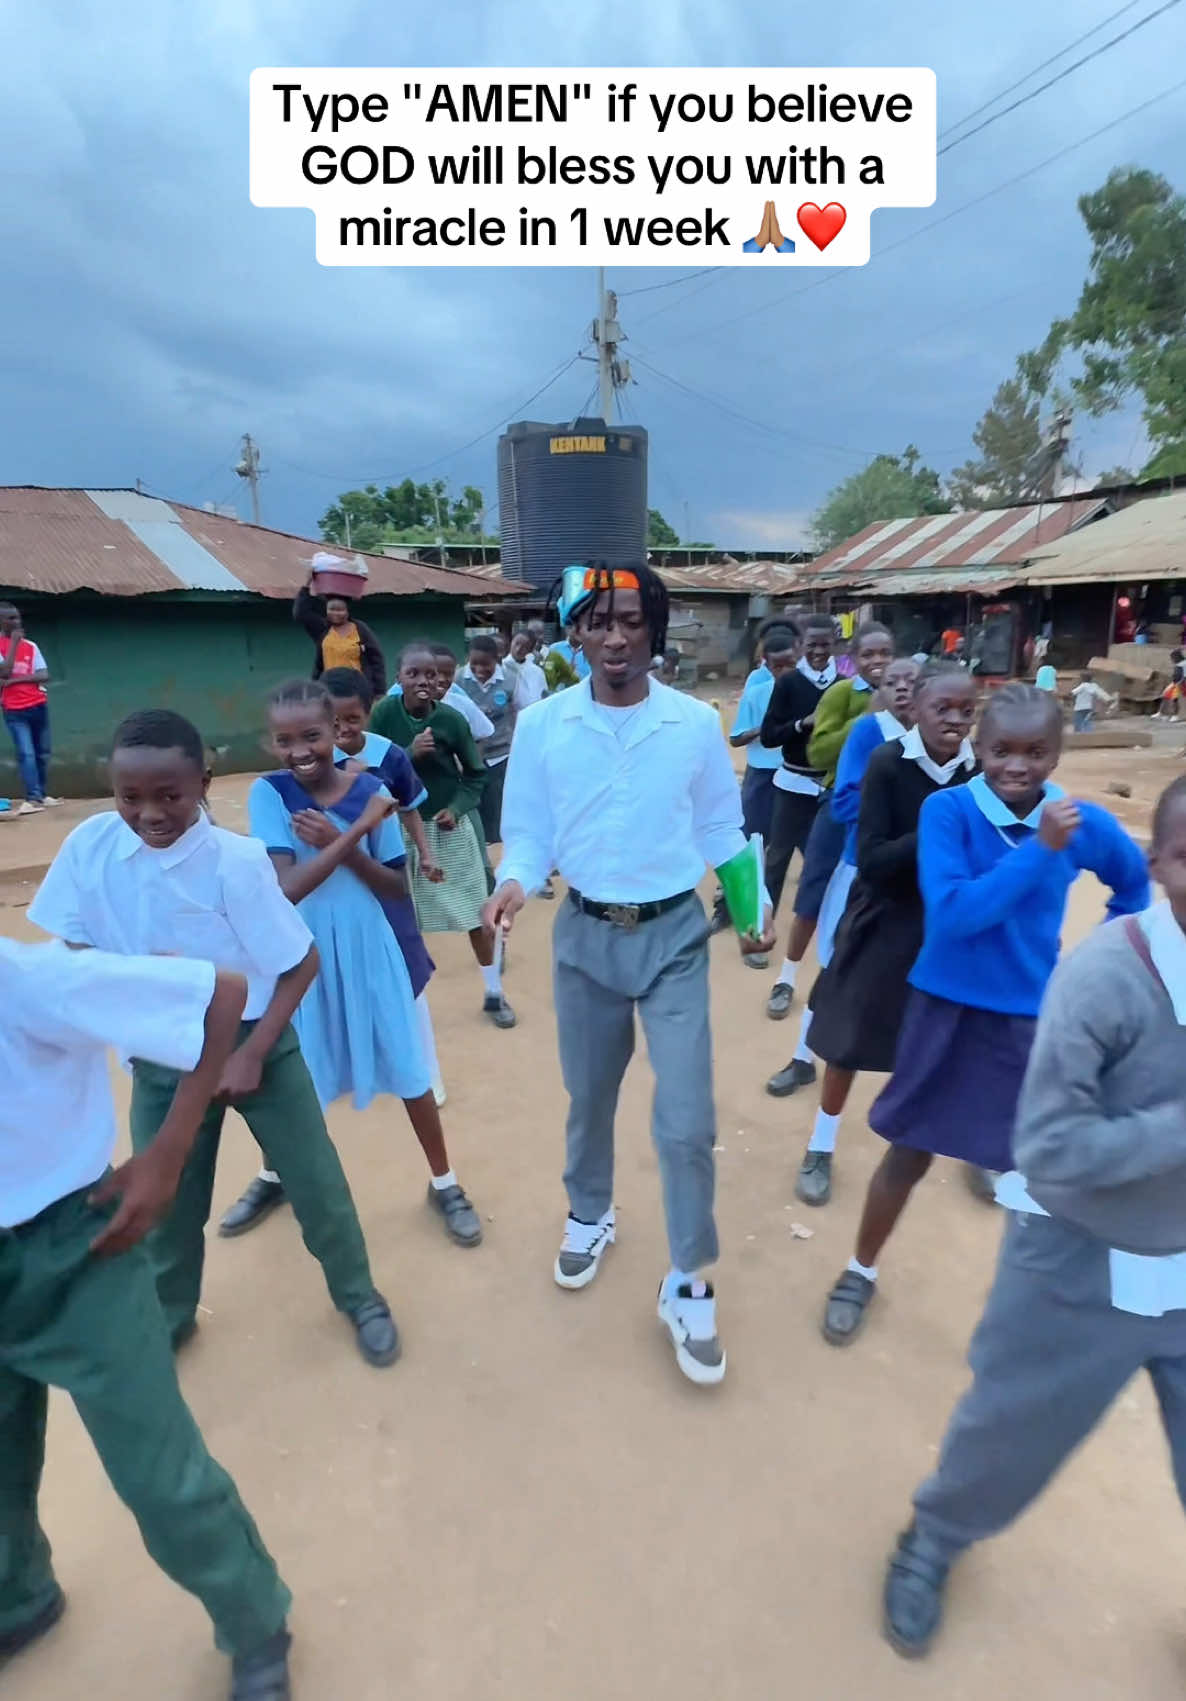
[821,225]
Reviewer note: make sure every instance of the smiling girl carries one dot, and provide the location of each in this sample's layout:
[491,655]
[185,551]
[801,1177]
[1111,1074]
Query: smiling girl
[339,856]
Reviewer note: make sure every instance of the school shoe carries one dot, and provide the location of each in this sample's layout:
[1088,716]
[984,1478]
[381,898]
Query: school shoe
[52,802]
[258,1200]
[581,1249]
[915,1581]
[263,1676]
[844,1314]
[690,1314]
[796,1074]
[460,1218]
[31,806]
[756,960]
[375,1330]
[499,1011]
[814,1185]
[778,1005]
[12,1642]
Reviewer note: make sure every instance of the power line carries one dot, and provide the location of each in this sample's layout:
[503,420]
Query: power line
[684,277]
[1033,72]
[965,206]
[1050,82]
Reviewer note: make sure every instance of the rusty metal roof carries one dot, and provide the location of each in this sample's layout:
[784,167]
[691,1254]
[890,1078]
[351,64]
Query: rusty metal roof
[1143,542]
[989,537]
[122,543]
[973,581]
[749,578]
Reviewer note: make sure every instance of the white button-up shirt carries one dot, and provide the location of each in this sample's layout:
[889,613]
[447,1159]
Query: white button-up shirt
[62,1009]
[213,895]
[629,813]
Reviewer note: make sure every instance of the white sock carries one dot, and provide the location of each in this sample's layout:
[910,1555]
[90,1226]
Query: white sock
[786,975]
[440,1182]
[869,1271]
[428,1040]
[492,980]
[823,1135]
[269,1175]
[803,1052]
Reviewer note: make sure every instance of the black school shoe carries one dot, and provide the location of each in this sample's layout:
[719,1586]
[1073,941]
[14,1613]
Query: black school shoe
[375,1330]
[460,1218]
[915,1581]
[263,1676]
[789,1080]
[257,1201]
[848,1302]
[498,1011]
[12,1642]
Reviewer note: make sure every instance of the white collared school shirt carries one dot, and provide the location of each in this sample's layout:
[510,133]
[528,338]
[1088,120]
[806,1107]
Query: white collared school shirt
[62,1010]
[213,896]
[630,807]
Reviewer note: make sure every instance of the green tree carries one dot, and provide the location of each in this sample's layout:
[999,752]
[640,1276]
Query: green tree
[1009,438]
[891,487]
[406,513]
[1129,327]
[659,534]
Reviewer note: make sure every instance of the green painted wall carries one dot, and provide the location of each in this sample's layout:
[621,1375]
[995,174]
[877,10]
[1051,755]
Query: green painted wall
[212,658]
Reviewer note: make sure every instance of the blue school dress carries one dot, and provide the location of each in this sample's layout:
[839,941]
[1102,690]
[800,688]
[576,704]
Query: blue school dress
[390,765]
[357,1023]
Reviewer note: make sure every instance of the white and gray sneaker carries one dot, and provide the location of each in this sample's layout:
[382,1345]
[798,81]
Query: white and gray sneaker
[581,1249]
[690,1313]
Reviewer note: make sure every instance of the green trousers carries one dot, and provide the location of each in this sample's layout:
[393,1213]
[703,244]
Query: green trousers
[93,1327]
[285,1116]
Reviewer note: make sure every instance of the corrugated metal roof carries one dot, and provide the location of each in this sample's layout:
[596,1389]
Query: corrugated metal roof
[123,543]
[990,537]
[1143,542]
[973,581]
[754,578]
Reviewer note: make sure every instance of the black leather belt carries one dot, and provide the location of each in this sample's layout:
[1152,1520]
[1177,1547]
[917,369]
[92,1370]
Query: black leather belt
[628,916]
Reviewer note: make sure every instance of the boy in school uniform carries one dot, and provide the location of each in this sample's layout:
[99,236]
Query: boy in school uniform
[154,877]
[627,787]
[78,1305]
[1091,1283]
[787,727]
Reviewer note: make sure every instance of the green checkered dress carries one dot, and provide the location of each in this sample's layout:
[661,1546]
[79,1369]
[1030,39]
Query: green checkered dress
[455,905]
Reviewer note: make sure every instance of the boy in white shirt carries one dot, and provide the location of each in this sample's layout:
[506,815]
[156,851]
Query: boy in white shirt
[1084,698]
[155,877]
[78,1305]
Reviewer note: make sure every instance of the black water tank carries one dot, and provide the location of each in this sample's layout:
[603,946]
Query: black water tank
[569,493]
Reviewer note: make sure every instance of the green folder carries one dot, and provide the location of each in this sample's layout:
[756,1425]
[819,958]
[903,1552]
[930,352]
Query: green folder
[743,882]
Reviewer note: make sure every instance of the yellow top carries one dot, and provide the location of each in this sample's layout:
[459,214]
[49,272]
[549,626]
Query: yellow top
[342,647]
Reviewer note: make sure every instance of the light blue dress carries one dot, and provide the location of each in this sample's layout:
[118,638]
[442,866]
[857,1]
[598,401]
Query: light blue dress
[357,1023]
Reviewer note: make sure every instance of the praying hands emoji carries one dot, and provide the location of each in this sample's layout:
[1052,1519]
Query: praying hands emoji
[769,235]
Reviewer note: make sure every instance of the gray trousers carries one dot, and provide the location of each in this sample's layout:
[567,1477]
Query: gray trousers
[601,973]
[1049,1356]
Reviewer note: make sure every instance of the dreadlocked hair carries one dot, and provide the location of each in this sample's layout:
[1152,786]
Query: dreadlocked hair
[294,692]
[161,729]
[1023,701]
[652,594]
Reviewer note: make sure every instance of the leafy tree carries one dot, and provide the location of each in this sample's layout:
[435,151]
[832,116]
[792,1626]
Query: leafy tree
[891,487]
[1129,326]
[1115,475]
[406,513]
[660,535]
[1009,438]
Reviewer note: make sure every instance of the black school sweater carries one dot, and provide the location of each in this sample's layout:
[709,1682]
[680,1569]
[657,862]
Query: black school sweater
[794,699]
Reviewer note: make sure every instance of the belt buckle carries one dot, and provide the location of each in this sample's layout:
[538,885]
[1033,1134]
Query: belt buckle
[625,916]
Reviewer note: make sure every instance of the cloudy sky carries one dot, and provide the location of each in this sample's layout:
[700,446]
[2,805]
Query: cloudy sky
[151,315]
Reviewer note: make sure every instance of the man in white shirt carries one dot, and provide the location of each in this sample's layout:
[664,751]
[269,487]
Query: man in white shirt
[531,683]
[626,786]
[78,1302]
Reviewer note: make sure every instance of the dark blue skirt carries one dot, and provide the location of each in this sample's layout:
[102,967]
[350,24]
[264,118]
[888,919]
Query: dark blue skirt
[956,1081]
[401,913]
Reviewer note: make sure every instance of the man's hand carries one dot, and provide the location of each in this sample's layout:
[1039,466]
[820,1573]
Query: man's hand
[499,912]
[751,947]
[314,828]
[145,1187]
[445,820]
[241,1075]
[424,744]
[1059,820]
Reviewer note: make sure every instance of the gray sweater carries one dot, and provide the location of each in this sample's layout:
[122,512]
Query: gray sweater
[1101,1129]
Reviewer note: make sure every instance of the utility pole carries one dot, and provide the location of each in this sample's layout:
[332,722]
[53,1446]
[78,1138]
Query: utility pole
[248,468]
[612,373]
[436,500]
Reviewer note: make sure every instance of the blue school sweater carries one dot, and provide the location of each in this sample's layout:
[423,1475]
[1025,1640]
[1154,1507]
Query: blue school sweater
[865,737]
[995,897]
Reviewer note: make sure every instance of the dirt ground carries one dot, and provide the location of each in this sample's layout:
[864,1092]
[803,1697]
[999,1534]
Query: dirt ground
[533,1502]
